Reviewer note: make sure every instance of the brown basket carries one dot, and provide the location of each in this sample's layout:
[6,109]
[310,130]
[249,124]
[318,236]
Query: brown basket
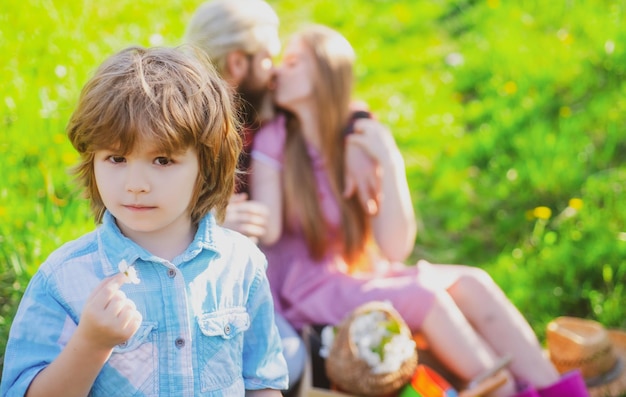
[352,374]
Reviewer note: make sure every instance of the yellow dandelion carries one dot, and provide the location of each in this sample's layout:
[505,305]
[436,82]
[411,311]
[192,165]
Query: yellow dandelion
[58,139]
[510,87]
[565,111]
[576,203]
[564,36]
[59,202]
[68,158]
[542,212]
[493,3]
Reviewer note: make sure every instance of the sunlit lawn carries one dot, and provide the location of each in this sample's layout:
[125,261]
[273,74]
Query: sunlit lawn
[510,118]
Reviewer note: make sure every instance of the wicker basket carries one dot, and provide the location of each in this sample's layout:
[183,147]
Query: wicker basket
[352,374]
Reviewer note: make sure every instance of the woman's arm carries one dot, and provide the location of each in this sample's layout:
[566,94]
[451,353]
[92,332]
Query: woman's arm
[266,175]
[394,225]
[266,189]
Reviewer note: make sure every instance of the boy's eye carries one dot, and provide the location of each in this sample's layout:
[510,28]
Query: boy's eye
[117,159]
[162,161]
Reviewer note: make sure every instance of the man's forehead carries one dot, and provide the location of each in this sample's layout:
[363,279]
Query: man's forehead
[267,36]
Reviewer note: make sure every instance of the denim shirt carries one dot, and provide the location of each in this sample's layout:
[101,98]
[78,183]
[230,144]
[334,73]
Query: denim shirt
[208,318]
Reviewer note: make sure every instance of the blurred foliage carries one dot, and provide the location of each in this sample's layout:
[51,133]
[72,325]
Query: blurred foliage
[510,116]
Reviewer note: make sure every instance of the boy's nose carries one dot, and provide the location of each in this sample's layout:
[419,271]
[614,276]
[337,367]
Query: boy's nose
[136,179]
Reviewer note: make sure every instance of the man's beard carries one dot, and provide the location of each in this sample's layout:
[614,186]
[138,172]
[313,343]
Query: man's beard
[253,100]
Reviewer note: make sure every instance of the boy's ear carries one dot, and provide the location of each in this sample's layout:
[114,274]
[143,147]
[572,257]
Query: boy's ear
[237,65]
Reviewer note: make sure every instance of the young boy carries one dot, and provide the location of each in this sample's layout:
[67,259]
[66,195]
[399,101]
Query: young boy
[158,300]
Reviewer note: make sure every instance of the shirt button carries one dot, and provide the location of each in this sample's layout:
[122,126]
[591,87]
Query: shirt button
[227,329]
[180,343]
[171,273]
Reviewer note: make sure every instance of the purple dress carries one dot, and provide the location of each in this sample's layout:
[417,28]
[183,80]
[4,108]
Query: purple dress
[308,291]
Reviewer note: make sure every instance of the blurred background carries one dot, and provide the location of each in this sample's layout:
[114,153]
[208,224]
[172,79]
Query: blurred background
[510,116]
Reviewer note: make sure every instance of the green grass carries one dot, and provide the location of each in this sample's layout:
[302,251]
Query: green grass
[499,108]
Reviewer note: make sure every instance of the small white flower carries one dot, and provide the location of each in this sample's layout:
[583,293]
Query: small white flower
[129,271]
[156,39]
[455,59]
[60,71]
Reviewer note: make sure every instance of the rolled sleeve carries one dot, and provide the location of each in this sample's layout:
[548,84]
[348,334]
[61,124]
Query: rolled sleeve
[39,332]
[264,366]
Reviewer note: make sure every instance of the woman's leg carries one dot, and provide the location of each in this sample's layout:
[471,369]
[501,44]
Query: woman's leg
[455,343]
[500,324]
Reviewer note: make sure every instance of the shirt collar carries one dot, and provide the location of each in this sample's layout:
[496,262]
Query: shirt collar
[115,247]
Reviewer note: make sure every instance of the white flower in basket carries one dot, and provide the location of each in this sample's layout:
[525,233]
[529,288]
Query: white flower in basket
[373,345]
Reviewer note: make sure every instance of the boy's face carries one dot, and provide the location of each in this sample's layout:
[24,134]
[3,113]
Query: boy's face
[147,191]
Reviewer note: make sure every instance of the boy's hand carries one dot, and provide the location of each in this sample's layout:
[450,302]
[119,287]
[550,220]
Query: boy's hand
[109,317]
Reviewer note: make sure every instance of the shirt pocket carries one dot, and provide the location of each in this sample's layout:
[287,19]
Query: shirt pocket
[220,347]
[132,369]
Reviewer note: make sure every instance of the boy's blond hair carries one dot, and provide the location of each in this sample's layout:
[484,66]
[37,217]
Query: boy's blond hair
[170,97]
[221,26]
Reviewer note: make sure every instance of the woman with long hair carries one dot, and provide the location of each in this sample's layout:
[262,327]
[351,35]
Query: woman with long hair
[327,254]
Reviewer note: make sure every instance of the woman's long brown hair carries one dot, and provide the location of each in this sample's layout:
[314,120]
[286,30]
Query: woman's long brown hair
[333,82]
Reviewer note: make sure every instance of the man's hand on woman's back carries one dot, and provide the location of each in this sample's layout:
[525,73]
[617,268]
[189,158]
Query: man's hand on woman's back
[246,216]
[363,172]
